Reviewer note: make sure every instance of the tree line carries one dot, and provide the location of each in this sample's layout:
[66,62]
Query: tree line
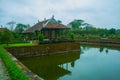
[11,34]
[79,29]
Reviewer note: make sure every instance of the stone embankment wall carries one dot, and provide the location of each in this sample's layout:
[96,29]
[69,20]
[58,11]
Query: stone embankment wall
[110,41]
[43,49]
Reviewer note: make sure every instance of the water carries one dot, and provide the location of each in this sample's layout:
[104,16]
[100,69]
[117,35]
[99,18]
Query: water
[89,63]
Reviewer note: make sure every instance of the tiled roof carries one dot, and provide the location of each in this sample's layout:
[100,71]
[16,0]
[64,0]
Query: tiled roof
[47,24]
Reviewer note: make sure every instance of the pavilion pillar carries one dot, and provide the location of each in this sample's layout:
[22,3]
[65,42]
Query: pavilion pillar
[62,33]
[59,33]
[66,31]
[50,34]
[55,34]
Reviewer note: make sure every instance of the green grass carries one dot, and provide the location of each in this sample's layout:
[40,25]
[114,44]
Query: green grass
[14,71]
[18,44]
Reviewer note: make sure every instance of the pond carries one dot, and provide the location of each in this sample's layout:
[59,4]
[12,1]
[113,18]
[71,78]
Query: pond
[88,63]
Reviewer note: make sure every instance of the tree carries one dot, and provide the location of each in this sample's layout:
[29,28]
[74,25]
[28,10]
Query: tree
[21,27]
[112,31]
[6,36]
[59,21]
[76,24]
[11,24]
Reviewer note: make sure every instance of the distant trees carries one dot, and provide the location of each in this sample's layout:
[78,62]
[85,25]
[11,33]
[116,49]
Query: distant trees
[11,24]
[76,24]
[112,31]
[21,27]
[13,35]
[92,32]
[81,29]
[59,21]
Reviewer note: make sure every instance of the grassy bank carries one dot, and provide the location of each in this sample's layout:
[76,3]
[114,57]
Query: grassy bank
[14,71]
[18,44]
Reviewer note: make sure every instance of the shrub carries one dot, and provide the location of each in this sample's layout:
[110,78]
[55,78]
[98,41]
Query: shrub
[40,37]
[72,36]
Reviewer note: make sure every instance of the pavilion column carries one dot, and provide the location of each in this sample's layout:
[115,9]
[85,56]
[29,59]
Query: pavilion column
[50,34]
[55,34]
[36,36]
[32,36]
[62,33]
[46,33]
[66,33]
[43,31]
[58,33]
[28,37]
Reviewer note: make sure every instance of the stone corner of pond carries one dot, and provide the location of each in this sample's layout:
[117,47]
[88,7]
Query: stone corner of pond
[28,72]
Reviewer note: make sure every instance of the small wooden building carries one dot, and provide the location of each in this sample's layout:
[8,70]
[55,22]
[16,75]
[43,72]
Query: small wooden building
[50,29]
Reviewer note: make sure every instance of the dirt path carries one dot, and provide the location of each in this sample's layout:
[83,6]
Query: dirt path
[3,71]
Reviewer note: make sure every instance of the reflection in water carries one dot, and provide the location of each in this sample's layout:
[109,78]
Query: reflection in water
[101,49]
[106,51]
[52,67]
[86,64]
[72,64]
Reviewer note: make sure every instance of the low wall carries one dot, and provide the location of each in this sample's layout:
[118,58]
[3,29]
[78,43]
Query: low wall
[111,41]
[42,49]
[28,72]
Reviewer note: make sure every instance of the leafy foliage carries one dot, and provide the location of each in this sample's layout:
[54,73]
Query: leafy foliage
[76,24]
[96,33]
[6,36]
[40,37]
[72,36]
[21,27]
[59,21]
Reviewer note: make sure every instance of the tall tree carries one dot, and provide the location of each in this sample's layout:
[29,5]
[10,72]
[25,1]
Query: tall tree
[76,24]
[11,24]
[21,27]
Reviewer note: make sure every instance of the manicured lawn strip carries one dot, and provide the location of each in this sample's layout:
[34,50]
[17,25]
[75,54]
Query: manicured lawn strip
[14,71]
[18,44]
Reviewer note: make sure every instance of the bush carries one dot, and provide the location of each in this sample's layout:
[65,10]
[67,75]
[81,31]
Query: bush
[40,37]
[72,36]
[6,36]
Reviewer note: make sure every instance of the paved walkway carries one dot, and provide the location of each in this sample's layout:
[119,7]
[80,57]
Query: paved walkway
[3,71]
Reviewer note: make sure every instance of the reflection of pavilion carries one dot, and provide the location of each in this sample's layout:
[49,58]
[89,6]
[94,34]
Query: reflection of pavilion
[52,67]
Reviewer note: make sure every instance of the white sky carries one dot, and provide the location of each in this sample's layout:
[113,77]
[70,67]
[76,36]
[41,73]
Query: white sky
[100,13]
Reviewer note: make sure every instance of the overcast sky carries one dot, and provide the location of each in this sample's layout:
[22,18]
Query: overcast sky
[100,13]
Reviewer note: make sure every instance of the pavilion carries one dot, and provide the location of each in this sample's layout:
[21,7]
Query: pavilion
[51,29]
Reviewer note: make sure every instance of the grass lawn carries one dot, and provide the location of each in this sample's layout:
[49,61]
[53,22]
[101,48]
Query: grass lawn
[18,44]
[14,71]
